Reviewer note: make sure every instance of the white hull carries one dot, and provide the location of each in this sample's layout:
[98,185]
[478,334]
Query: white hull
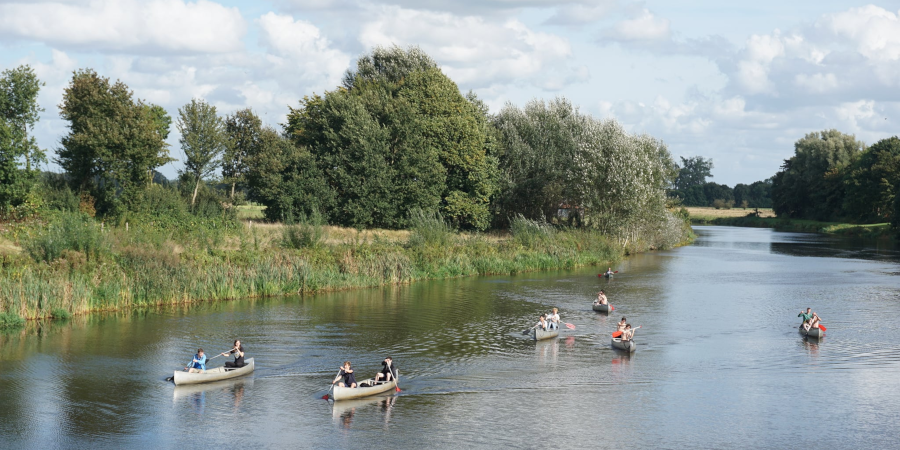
[219,373]
[627,346]
[540,335]
[347,393]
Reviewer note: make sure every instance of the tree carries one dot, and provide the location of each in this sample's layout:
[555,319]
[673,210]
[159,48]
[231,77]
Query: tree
[871,183]
[202,140]
[19,111]
[285,178]
[243,130]
[713,192]
[693,172]
[810,185]
[114,141]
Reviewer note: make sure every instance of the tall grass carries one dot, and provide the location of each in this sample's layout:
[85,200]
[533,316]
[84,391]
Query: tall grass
[151,269]
[428,228]
[307,232]
[70,231]
[530,233]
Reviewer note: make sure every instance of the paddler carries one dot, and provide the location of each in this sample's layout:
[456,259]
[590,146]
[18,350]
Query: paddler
[553,319]
[345,377]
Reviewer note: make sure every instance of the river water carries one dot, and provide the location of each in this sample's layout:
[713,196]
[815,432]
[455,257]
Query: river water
[719,361]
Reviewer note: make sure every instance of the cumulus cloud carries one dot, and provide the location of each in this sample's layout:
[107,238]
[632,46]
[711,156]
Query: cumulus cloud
[155,26]
[477,52]
[643,27]
[298,51]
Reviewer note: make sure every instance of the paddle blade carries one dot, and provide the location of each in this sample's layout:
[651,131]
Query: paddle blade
[617,334]
[325,397]
[612,308]
[570,326]
[397,388]
[822,327]
[616,271]
[599,275]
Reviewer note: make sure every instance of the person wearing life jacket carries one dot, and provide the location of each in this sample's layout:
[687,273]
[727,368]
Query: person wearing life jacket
[198,364]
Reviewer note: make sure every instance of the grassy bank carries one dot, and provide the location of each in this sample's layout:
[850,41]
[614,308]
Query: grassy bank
[877,230]
[56,271]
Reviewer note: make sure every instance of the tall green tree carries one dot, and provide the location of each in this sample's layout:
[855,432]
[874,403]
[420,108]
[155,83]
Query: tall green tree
[114,141]
[203,141]
[690,182]
[19,111]
[872,182]
[399,135]
[810,185]
[243,130]
[286,178]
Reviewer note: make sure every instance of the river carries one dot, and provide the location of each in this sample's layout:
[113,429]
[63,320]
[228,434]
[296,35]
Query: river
[719,361]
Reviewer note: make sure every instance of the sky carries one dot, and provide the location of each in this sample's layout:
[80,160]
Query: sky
[738,82]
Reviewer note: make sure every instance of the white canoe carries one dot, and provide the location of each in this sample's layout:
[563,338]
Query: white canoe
[812,332]
[540,335]
[627,346]
[346,393]
[219,373]
[602,308]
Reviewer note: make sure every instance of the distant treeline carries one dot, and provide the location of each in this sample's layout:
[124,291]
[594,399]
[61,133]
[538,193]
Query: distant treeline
[833,176]
[692,189]
[396,136]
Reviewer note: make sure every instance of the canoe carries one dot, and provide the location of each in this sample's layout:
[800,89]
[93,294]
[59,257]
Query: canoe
[627,346]
[219,373]
[812,332]
[364,388]
[603,308]
[540,335]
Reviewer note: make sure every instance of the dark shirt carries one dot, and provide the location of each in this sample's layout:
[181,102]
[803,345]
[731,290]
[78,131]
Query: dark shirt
[392,370]
[349,379]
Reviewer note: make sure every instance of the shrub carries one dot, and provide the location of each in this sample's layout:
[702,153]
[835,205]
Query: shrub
[307,232]
[10,320]
[60,313]
[530,232]
[428,228]
[69,231]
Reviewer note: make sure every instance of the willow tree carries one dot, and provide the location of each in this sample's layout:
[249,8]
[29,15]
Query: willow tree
[202,140]
[556,157]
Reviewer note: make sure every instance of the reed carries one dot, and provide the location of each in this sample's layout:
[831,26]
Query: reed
[147,268]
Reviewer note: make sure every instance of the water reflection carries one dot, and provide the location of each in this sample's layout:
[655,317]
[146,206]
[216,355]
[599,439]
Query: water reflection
[232,391]
[343,411]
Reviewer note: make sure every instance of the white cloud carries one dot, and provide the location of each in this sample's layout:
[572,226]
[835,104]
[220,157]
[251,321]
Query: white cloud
[644,27]
[135,26]
[477,52]
[873,31]
[299,51]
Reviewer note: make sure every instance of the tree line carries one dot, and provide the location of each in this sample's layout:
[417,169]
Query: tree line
[693,189]
[395,136]
[832,176]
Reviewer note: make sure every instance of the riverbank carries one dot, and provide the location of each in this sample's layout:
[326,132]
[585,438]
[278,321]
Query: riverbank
[878,230]
[141,267]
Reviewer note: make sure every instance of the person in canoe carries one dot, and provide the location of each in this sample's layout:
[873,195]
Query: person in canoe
[627,333]
[198,364]
[388,370]
[542,323]
[601,298]
[621,325]
[810,319]
[553,319]
[238,351]
[609,272]
[345,377]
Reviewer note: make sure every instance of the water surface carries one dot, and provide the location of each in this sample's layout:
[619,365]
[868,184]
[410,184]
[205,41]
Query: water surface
[719,363]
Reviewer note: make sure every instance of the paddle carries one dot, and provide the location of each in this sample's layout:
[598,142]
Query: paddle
[569,325]
[325,397]
[619,333]
[601,275]
[529,330]
[822,327]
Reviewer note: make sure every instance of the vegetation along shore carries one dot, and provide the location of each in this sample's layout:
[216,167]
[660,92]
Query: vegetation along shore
[392,177]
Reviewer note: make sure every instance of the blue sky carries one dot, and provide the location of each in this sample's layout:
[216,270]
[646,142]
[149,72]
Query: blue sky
[739,82]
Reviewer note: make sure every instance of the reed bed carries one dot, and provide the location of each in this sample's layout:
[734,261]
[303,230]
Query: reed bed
[144,268]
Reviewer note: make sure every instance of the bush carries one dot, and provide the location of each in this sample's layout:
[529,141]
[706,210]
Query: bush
[530,232]
[60,313]
[10,320]
[428,228]
[69,231]
[307,232]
